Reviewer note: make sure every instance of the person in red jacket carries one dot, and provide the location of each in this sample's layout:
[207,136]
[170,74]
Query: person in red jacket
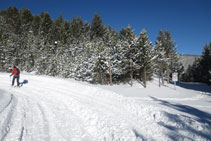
[16,74]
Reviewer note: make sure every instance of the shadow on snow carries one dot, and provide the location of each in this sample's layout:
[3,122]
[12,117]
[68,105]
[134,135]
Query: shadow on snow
[24,82]
[138,135]
[202,117]
[203,88]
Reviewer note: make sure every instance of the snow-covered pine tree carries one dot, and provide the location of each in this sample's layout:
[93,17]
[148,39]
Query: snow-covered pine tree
[28,52]
[110,40]
[97,33]
[174,64]
[46,45]
[143,57]
[87,57]
[2,42]
[169,46]
[13,19]
[26,41]
[76,29]
[127,53]
[42,56]
[66,36]
[36,25]
[86,31]
[46,25]
[101,65]
[114,57]
[11,36]
[57,29]
[26,19]
[159,56]
[97,27]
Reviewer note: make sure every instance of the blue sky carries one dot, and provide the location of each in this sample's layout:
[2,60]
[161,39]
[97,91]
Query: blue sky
[189,21]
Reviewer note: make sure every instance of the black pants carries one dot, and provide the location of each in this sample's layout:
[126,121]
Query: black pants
[13,80]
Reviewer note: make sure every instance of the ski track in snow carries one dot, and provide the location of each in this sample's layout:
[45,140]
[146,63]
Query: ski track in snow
[61,110]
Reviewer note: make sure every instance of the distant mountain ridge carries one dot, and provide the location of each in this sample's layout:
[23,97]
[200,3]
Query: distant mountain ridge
[187,59]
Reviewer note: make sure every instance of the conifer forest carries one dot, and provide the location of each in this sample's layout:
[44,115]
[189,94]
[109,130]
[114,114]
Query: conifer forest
[91,52]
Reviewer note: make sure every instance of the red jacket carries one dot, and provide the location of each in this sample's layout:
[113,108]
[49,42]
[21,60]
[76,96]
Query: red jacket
[14,71]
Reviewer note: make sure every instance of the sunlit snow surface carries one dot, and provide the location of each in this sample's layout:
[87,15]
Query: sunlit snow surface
[56,109]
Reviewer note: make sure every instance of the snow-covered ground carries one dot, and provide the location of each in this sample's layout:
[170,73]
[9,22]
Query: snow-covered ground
[56,109]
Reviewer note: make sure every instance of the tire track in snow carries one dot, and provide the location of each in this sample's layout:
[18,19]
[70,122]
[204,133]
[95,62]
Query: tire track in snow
[48,106]
[11,98]
[33,116]
[72,128]
[26,120]
[8,118]
[36,124]
[45,122]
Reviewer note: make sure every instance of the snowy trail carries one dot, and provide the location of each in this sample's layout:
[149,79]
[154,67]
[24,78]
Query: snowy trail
[49,116]
[102,120]
[62,110]
[95,116]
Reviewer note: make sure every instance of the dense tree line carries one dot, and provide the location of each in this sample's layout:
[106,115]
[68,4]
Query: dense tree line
[200,71]
[77,49]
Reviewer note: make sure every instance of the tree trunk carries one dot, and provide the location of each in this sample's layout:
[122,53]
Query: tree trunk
[131,73]
[162,77]
[145,77]
[168,74]
[131,78]
[110,73]
[101,78]
[159,78]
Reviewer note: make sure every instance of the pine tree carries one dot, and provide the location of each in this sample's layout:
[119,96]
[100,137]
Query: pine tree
[174,64]
[66,33]
[85,35]
[57,29]
[25,54]
[113,55]
[36,24]
[188,76]
[97,27]
[170,52]
[200,70]
[46,27]
[2,42]
[13,19]
[101,66]
[144,56]
[205,64]
[166,55]
[26,19]
[12,36]
[127,56]
[159,56]
[76,28]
